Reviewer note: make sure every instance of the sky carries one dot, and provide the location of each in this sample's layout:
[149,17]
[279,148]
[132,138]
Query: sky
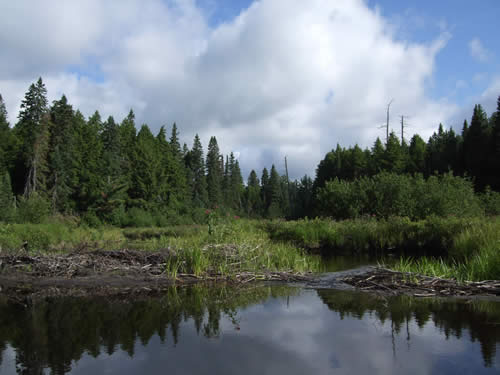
[268,78]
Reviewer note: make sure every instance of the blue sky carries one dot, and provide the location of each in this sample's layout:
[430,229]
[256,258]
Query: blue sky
[269,79]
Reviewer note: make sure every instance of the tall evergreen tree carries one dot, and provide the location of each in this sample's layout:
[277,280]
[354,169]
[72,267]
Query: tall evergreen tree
[237,188]
[253,197]
[417,155]
[275,207]
[61,158]
[476,142]
[197,166]
[32,130]
[87,161]
[265,191]
[393,157]
[8,141]
[214,173]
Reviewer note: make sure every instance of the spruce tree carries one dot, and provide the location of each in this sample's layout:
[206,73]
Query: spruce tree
[393,160]
[197,167]
[32,130]
[214,173]
[87,161]
[475,143]
[377,159]
[265,191]
[8,141]
[237,188]
[61,158]
[275,207]
[417,155]
[253,198]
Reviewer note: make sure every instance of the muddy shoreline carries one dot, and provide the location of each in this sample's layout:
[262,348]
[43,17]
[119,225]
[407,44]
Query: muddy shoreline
[24,277]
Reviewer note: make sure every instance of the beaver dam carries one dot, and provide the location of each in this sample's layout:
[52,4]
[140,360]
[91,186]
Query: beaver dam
[132,271]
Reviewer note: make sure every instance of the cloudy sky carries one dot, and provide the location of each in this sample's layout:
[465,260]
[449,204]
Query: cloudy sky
[268,78]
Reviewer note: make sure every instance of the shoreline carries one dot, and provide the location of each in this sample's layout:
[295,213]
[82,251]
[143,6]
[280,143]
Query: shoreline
[132,273]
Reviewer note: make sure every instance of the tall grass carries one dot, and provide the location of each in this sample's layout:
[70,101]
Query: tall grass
[235,246]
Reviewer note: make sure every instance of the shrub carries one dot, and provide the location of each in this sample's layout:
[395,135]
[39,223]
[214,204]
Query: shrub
[33,209]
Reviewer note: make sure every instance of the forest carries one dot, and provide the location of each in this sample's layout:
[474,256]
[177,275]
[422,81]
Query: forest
[53,160]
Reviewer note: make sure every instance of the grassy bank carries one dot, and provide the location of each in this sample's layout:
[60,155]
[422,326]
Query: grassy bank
[462,248]
[232,246]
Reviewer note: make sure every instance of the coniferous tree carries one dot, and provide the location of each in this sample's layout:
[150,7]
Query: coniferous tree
[265,191]
[476,142]
[127,134]
[8,141]
[237,187]
[61,156]
[393,160]
[275,207]
[32,130]
[417,156]
[87,160]
[196,165]
[377,159]
[214,173]
[494,165]
[146,164]
[253,196]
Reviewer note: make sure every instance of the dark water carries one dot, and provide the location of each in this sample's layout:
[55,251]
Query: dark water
[251,330]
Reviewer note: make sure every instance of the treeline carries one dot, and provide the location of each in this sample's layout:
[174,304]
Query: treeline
[54,160]
[474,153]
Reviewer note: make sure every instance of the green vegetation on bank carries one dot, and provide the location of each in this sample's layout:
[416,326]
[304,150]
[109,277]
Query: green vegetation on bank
[233,245]
[461,248]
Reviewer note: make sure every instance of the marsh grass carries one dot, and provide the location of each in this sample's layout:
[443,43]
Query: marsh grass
[473,256]
[235,246]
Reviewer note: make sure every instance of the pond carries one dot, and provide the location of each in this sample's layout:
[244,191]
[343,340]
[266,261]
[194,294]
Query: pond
[252,329]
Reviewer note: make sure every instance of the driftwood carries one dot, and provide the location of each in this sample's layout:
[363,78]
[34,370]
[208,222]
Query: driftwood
[129,263]
[395,283]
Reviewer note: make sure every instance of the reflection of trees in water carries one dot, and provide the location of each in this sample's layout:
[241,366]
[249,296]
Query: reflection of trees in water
[480,318]
[53,333]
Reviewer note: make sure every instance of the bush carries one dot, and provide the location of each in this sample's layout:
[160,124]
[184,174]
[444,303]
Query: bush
[388,194]
[33,209]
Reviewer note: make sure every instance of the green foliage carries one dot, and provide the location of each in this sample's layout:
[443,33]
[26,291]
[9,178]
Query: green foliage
[33,209]
[388,194]
[7,202]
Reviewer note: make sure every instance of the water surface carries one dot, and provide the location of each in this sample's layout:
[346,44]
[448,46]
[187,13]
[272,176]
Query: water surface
[251,330]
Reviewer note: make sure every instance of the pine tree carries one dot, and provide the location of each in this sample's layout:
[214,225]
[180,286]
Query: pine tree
[127,133]
[175,145]
[214,173]
[494,164]
[62,175]
[393,160]
[265,191]
[200,193]
[377,159]
[32,130]
[237,187]
[475,143]
[417,155]
[274,210]
[8,141]
[146,164]
[253,198]
[87,161]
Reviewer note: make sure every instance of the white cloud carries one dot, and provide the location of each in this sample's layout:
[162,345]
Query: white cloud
[285,77]
[478,51]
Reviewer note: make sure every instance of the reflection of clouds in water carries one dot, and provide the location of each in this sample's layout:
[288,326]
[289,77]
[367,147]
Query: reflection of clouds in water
[300,335]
